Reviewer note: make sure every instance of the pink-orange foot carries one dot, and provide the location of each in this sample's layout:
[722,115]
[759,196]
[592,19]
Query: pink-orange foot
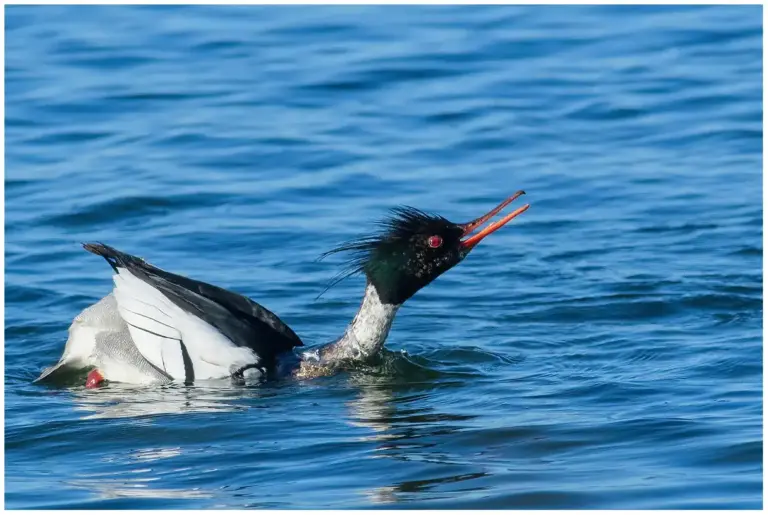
[95,379]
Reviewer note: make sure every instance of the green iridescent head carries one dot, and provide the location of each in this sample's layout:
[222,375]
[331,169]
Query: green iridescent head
[413,248]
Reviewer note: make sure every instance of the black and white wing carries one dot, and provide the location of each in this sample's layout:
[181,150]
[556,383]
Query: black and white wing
[191,329]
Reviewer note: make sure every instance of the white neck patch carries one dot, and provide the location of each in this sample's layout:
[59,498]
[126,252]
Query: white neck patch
[366,335]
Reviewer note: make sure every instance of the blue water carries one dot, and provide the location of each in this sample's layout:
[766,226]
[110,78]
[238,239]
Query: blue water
[602,351]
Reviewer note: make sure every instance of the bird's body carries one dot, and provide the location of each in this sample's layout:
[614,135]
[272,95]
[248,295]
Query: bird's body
[158,327]
[100,338]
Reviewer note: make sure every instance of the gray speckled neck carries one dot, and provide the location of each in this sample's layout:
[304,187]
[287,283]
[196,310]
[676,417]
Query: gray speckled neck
[366,335]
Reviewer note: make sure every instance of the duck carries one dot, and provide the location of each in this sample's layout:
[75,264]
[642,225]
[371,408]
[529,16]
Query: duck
[157,327]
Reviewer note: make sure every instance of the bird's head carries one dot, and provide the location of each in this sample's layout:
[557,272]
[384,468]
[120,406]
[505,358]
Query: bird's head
[413,248]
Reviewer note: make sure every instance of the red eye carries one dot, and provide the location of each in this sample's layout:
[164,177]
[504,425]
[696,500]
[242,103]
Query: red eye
[434,241]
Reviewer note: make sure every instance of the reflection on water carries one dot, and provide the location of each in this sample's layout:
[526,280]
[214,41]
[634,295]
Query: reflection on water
[156,454]
[393,494]
[135,488]
[373,408]
[119,401]
[406,430]
[136,483]
[398,421]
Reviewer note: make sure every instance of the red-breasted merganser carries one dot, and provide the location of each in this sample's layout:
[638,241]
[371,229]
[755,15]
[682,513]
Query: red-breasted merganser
[159,327]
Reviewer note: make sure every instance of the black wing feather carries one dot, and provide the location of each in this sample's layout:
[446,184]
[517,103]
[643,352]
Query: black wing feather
[243,321]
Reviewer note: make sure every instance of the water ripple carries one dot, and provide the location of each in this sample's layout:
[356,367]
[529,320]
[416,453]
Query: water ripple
[618,321]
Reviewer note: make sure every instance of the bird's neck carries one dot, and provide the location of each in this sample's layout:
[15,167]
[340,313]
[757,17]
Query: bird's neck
[366,335]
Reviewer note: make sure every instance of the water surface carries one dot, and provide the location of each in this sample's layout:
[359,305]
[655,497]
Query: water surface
[603,351]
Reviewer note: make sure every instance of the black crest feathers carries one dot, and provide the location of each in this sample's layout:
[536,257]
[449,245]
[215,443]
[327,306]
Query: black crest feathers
[397,228]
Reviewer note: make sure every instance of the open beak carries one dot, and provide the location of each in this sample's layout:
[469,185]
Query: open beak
[473,240]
